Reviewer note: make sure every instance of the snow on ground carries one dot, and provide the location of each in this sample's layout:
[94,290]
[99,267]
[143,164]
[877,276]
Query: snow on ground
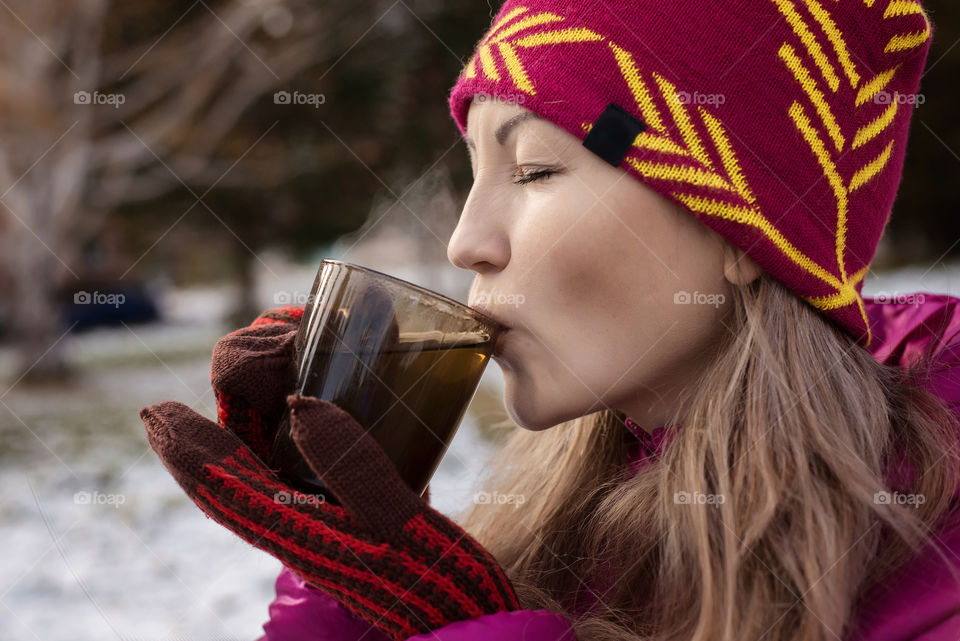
[99,542]
[942,278]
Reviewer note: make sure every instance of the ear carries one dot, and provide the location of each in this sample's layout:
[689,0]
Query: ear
[738,268]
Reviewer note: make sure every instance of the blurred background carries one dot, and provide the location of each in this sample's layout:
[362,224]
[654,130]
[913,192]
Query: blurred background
[170,169]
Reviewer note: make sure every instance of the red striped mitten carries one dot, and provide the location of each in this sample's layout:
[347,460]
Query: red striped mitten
[385,554]
[252,371]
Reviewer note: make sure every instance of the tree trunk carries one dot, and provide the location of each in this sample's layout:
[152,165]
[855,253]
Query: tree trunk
[245,307]
[36,324]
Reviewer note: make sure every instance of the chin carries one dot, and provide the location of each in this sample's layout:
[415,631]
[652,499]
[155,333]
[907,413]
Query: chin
[521,415]
[532,426]
[528,417]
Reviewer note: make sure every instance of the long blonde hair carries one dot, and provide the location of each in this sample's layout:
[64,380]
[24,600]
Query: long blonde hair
[792,431]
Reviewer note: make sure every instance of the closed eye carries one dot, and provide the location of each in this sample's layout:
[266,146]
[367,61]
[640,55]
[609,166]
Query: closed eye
[522,178]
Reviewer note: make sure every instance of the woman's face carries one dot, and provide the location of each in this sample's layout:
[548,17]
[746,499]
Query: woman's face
[588,267]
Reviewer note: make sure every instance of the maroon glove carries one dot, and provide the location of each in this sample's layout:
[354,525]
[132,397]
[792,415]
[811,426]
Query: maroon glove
[386,554]
[251,372]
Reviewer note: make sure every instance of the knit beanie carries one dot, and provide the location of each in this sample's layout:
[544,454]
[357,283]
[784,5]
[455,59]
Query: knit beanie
[780,124]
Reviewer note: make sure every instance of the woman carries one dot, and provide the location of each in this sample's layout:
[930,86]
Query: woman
[722,438]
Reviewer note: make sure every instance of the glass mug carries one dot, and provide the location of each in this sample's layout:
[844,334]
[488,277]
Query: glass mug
[400,359]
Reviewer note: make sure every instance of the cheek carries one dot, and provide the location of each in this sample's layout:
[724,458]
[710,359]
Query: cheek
[592,294]
[609,271]
[572,267]
[605,296]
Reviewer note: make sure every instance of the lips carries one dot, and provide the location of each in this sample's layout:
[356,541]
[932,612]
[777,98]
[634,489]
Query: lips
[498,345]
[486,312]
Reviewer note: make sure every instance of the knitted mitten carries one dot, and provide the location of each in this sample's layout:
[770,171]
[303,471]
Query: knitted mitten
[384,553]
[251,372]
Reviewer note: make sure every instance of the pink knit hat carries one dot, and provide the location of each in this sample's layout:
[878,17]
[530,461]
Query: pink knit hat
[781,124]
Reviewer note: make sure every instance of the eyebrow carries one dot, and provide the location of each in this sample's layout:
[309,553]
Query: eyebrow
[504,129]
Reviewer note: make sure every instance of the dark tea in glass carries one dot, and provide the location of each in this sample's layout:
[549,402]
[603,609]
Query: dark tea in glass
[402,360]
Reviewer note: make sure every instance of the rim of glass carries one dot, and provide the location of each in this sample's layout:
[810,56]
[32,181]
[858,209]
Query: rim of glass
[423,290]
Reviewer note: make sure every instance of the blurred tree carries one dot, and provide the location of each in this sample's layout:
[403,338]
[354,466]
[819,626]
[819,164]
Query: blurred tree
[301,175]
[119,115]
[152,116]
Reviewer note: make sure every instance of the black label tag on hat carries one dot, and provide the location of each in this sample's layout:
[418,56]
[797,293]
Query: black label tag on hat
[613,133]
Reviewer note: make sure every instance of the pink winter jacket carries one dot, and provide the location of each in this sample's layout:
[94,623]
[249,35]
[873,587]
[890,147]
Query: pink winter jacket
[920,603]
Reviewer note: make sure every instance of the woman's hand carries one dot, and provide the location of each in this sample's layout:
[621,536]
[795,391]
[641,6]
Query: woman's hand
[385,554]
[251,372]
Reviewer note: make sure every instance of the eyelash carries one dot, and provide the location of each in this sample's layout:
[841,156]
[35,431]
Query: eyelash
[521,178]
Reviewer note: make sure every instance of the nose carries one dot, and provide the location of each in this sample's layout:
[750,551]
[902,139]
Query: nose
[480,241]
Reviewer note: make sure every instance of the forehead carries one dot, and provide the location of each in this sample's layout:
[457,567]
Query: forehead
[485,116]
[508,125]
